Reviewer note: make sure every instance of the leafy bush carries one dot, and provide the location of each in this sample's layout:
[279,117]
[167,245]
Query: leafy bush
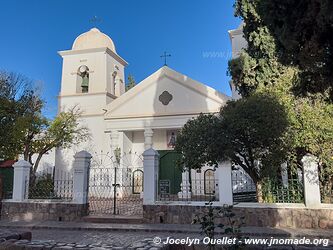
[210,221]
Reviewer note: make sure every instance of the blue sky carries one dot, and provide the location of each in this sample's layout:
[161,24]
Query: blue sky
[193,31]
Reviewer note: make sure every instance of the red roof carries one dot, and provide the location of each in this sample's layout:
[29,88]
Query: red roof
[7,164]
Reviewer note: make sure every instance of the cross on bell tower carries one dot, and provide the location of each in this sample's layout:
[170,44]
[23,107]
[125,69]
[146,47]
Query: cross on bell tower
[95,20]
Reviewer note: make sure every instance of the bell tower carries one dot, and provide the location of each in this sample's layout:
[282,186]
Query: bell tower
[92,77]
[92,73]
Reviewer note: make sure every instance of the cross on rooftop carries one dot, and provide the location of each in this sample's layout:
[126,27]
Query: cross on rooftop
[165,56]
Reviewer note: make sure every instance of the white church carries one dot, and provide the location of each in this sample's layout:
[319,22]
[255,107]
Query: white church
[149,115]
[146,116]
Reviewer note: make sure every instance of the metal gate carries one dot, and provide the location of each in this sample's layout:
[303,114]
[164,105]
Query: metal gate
[116,185]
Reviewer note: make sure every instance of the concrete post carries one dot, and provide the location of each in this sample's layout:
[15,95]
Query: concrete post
[150,176]
[21,180]
[185,186]
[81,177]
[311,181]
[225,183]
[148,138]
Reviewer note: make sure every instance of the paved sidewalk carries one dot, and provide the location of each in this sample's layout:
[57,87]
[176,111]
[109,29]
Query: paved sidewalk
[8,234]
[169,228]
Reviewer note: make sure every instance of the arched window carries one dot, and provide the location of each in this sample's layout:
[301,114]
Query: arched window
[209,181]
[137,181]
[83,79]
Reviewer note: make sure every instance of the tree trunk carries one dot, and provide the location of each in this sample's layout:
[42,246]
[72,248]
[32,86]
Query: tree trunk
[26,153]
[259,191]
[34,170]
[35,167]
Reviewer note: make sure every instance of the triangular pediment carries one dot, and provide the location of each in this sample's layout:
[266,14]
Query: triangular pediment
[165,93]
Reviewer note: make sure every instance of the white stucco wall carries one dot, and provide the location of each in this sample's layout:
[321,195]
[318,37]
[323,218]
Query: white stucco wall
[184,101]
[238,43]
[98,143]
[89,104]
[138,142]
[96,62]
[102,63]
[160,139]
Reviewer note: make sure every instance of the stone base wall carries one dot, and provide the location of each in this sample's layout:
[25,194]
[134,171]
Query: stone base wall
[34,210]
[254,216]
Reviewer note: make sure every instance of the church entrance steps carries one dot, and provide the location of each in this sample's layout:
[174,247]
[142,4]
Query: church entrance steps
[117,219]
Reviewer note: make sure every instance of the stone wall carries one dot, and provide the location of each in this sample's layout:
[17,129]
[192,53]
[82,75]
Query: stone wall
[260,216]
[41,210]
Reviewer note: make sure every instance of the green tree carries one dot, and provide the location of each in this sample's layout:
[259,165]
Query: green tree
[64,131]
[303,34]
[312,132]
[18,108]
[130,82]
[24,129]
[250,132]
[282,34]
[289,54]
[197,140]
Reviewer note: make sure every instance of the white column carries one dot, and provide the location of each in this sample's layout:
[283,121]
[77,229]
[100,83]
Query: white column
[225,183]
[150,176]
[81,177]
[148,138]
[284,174]
[114,140]
[311,181]
[21,180]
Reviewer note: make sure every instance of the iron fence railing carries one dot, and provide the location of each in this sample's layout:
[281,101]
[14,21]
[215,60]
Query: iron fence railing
[274,191]
[195,185]
[51,184]
[116,185]
[243,187]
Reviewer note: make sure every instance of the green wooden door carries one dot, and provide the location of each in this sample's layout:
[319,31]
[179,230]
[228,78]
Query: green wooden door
[169,170]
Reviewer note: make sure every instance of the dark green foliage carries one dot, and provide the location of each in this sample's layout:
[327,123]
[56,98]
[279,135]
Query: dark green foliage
[130,82]
[290,55]
[7,176]
[252,131]
[246,131]
[282,34]
[303,31]
[196,139]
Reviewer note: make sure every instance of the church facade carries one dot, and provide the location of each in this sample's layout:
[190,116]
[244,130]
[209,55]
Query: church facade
[148,115]
[123,124]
